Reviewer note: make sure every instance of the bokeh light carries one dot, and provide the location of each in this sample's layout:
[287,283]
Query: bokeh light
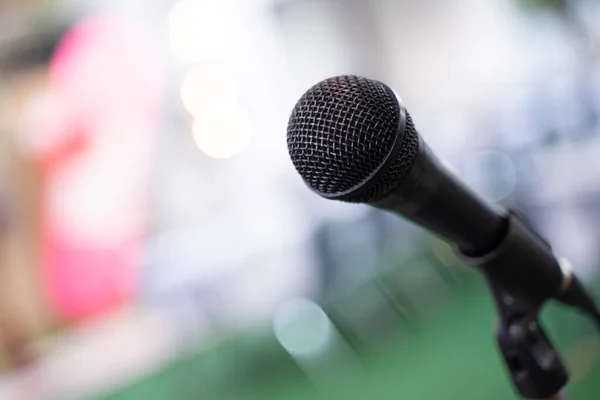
[302,328]
[222,133]
[208,86]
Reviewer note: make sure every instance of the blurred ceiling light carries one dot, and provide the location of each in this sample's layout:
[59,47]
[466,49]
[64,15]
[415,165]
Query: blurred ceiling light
[198,30]
[302,328]
[203,86]
[222,132]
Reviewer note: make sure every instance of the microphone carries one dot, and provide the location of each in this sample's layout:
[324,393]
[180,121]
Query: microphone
[351,139]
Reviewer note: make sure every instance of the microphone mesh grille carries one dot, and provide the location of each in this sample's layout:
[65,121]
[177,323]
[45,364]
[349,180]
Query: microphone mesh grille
[340,132]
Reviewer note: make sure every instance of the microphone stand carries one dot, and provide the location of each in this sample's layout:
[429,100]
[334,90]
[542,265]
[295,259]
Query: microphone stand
[533,364]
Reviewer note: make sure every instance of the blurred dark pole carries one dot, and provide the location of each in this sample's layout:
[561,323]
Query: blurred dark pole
[14,338]
[24,56]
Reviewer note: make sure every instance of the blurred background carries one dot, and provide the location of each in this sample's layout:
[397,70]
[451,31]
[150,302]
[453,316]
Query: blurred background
[156,242]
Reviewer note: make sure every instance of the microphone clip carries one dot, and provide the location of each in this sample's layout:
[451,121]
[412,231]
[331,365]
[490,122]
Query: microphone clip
[534,365]
[523,273]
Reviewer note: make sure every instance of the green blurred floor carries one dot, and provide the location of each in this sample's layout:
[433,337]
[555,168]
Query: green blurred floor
[449,356]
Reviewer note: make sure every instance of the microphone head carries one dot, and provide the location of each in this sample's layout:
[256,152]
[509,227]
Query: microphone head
[351,139]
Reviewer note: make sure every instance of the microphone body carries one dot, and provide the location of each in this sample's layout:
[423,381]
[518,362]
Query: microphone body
[511,254]
[434,198]
[351,139]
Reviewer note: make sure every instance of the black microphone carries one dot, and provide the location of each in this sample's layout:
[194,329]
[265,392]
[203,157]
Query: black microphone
[351,139]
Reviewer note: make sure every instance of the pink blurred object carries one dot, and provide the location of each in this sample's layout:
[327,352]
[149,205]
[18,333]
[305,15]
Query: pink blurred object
[107,78]
[105,66]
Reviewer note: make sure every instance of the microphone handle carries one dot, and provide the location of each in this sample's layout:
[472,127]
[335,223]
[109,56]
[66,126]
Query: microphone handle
[435,198]
[503,245]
